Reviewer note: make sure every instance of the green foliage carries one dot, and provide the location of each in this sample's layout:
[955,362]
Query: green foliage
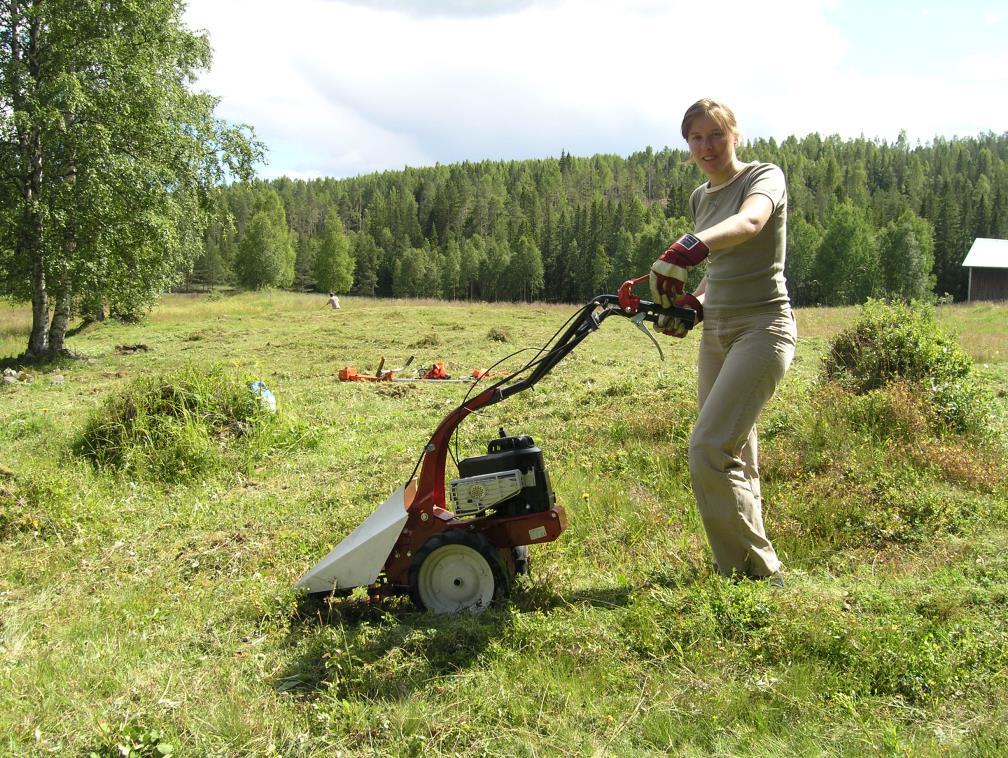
[903,341]
[131,741]
[333,267]
[214,266]
[415,275]
[526,272]
[882,210]
[106,134]
[804,239]
[846,262]
[266,253]
[367,258]
[906,258]
[177,426]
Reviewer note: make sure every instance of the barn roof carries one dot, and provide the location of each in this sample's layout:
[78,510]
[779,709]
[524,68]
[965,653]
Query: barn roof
[987,253]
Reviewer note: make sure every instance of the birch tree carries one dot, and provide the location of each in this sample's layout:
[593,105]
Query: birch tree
[110,156]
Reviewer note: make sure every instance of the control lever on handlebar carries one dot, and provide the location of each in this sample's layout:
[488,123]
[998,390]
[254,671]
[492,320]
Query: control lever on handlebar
[644,310]
[638,321]
[634,306]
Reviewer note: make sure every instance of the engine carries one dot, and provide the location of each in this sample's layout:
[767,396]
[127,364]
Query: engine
[510,480]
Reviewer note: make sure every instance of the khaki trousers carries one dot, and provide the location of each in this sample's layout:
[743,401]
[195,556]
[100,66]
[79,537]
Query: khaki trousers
[742,360]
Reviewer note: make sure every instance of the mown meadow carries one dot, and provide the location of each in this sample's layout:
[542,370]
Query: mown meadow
[145,601]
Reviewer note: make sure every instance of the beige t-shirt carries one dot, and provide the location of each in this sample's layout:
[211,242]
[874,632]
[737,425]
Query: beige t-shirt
[749,277]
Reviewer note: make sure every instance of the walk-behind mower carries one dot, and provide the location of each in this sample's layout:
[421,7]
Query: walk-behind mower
[464,558]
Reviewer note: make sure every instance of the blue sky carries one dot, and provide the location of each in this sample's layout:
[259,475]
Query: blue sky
[341,88]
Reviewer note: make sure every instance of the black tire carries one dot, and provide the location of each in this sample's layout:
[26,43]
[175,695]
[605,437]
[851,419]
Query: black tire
[522,560]
[457,570]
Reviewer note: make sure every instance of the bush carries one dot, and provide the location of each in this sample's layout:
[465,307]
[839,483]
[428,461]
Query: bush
[175,426]
[903,341]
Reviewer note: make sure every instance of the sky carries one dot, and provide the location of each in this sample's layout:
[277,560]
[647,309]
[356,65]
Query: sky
[339,88]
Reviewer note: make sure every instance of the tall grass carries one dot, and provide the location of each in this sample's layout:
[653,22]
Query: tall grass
[143,605]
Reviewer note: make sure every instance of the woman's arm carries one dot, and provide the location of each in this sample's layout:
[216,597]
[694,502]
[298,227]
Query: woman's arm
[745,224]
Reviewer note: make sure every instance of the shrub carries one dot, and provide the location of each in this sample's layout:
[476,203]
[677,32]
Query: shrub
[893,341]
[173,426]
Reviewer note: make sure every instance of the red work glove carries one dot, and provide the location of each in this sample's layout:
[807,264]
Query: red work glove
[668,273]
[675,327]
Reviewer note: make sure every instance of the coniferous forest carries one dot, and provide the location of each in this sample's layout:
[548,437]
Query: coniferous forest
[866,218]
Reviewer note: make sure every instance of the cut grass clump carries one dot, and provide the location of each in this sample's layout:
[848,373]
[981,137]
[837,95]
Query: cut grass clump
[430,340]
[903,341]
[499,334]
[181,425]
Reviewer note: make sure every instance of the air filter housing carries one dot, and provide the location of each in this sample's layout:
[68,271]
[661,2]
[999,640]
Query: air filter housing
[510,480]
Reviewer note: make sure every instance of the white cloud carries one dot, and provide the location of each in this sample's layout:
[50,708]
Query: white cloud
[986,69]
[464,8]
[993,16]
[340,88]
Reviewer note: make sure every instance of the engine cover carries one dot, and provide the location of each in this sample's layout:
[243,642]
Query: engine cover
[510,480]
[477,493]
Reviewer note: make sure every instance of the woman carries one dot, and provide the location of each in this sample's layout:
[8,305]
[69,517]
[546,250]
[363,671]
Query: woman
[749,332]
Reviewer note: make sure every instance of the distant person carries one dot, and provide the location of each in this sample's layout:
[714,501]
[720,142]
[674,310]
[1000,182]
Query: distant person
[749,334]
[333,301]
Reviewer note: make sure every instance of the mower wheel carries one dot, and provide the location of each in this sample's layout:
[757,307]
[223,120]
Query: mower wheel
[457,570]
[522,560]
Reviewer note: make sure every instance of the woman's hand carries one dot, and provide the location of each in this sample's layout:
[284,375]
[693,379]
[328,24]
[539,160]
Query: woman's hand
[675,327]
[668,273]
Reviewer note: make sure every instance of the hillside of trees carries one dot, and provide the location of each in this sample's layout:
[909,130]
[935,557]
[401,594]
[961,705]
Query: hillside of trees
[867,218]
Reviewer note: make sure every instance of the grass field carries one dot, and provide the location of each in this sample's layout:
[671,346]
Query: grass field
[151,614]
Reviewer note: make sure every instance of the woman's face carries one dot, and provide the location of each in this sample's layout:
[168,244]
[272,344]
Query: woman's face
[712,148]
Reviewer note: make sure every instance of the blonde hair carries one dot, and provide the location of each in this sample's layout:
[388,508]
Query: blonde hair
[719,112]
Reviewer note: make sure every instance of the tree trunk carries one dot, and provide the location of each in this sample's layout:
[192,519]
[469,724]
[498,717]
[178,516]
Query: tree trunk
[29,242]
[58,327]
[64,290]
[38,341]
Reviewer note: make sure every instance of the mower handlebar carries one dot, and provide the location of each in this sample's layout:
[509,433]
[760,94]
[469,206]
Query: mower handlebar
[592,315]
[651,311]
[589,318]
[632,305]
